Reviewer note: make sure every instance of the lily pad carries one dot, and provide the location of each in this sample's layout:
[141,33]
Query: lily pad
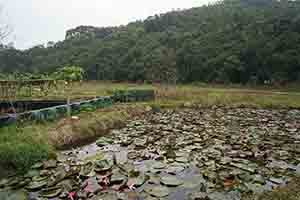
[91,185]
[174,169]
[36,185]
[4,182]
[137,181]
[172,181]
[51,192]
[37,165]
[58,176]
[157,191]
[182,159]
[50,164]
[102,165]
[117,178]
[87,170]
[158,165]
[104,141]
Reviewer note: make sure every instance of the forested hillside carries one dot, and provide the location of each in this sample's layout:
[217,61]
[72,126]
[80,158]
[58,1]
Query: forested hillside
[233,41]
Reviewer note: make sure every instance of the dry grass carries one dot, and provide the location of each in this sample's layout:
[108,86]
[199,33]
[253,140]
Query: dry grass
[205,97]
[201,94]
[73,132]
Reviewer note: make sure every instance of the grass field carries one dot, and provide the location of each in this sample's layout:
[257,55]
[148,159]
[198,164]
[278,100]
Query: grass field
[21,146]
[199,94]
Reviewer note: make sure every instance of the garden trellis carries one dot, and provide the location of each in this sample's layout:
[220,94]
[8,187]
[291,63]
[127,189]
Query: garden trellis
[11,89]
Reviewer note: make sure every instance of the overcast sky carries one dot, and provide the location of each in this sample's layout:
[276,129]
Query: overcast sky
[38,21]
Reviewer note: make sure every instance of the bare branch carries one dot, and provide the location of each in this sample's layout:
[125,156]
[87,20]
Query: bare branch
[5,29]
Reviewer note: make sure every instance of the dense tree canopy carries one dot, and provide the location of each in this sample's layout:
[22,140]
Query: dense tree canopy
[231,41]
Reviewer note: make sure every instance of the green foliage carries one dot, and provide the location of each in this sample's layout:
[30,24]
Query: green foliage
[87,108]
[155,107]
[21,147]
[231,41]
[69,73]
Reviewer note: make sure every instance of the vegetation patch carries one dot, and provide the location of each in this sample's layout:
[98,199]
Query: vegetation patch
[206,96]
[22,147]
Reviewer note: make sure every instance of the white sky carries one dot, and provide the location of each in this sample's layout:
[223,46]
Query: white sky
[38,21]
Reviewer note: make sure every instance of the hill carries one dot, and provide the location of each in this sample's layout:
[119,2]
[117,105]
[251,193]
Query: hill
[232,41]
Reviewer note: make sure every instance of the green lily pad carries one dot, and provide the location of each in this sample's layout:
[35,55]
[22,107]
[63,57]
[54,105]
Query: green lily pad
[182,159]
[159,165]
[91,185]
[87,170]
[37,165]
[23,183]
[172,181]
[14,182]
[117,178]
[58,176]
[67,185]
[137,181]
[102,165]
[50,164]
[51,192]
[4,182]
[35,185]
[39,178]
[157,191]
[174,169]
[104,141]
[154,179]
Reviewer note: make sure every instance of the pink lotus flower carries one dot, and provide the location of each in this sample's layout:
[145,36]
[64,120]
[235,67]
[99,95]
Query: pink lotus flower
[71,195]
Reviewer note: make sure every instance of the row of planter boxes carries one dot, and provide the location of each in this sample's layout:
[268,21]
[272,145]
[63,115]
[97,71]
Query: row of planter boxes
[56,112]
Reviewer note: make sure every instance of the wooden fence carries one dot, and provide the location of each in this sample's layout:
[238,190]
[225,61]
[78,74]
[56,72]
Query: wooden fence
[15,88]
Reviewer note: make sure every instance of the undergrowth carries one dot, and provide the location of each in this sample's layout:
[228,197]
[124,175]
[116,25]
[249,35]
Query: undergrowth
[22,147]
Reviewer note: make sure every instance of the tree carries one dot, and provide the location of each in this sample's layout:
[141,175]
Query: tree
[69,74]
[5,29]
[230,41]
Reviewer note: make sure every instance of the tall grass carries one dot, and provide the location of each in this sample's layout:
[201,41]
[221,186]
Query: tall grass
[232,97]
[22,147]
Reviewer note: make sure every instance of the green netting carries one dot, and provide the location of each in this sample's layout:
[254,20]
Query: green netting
[133,95]
[75,108]
[50,114]
[37,116]
[61,110]
[87,106]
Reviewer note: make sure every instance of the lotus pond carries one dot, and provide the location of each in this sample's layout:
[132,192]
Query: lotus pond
[212,154]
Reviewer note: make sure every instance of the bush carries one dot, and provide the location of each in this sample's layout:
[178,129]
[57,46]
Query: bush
[20,148]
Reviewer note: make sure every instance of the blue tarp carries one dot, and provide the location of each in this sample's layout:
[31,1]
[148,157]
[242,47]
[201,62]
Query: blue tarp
[7,119]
